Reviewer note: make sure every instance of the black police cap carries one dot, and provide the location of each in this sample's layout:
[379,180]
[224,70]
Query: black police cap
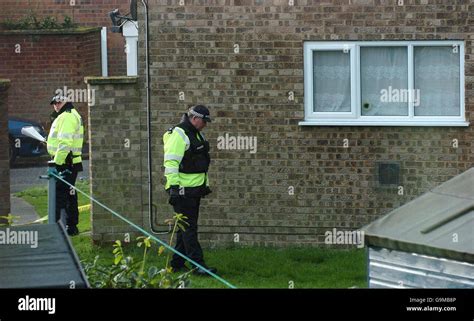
[201,111]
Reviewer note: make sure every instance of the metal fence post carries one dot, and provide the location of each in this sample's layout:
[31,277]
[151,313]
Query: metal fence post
[51,196]
[51,193]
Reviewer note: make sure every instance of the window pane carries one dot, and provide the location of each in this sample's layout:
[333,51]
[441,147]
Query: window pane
[384,81]
[331,81]
[437,79]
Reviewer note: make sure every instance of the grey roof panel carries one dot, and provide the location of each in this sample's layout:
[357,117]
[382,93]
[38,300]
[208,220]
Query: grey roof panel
[439,222]
[52,264]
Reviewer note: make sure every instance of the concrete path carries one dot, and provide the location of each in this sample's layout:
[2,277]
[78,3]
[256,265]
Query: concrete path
[25,212]
[24,176]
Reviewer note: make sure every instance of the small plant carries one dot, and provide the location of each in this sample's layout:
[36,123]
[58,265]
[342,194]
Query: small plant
[9,218]
[68,23]
[127,272]
[49,23]
[178,221]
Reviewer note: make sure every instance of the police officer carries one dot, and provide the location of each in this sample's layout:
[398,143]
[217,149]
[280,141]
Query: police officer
[186,161]
[65,141]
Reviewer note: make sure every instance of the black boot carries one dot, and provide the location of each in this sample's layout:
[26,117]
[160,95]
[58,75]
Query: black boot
[72,230]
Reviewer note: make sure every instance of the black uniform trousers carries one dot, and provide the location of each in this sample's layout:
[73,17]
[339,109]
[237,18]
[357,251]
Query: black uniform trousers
[66,197]
[187,241]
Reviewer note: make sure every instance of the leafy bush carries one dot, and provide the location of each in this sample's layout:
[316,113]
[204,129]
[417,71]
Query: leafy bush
[22,24]
[128,272]
[31,22]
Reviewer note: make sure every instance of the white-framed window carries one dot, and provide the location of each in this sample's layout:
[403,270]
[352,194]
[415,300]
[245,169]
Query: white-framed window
[384,83]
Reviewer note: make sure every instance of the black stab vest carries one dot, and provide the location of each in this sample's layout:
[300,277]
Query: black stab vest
[196,159]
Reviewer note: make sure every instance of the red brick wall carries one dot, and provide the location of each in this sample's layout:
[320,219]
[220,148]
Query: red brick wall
[45,63]
[4,147]
[93,13]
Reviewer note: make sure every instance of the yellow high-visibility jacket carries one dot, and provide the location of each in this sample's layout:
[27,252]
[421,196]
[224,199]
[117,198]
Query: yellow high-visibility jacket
[66,135]
[176,143]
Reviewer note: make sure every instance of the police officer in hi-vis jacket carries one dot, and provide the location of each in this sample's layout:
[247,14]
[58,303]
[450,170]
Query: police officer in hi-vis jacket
[64,144]
[186,162]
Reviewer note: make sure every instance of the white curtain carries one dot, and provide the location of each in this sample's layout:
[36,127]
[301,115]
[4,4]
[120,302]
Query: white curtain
[331,81]
[384,81]
[437,78]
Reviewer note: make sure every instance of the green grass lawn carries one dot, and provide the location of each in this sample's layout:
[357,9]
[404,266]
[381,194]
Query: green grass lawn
[38,197]
[244,267]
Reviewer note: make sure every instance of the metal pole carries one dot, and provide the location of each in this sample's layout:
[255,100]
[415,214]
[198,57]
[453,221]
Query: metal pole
[103,47]
[51,200]
[51,193]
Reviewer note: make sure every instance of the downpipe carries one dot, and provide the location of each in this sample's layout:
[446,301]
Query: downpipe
[148,116]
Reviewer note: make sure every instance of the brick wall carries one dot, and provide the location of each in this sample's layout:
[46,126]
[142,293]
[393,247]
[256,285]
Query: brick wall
[334,187]
[4,151]
[192,51]
[47,61]
[115,172]
[85,13]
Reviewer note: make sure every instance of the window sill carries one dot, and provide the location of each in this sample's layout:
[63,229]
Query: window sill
[351,122]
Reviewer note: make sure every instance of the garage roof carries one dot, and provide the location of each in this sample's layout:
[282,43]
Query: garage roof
[52,264]
[438,223]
